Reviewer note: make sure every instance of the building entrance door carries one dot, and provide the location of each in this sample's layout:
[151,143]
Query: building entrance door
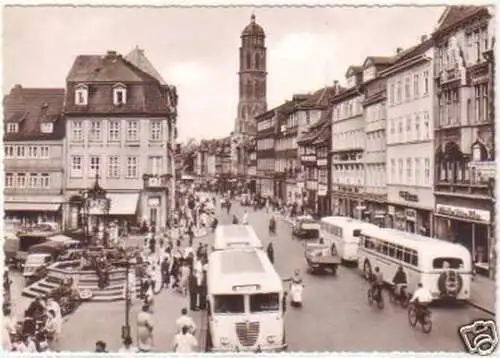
[153,216]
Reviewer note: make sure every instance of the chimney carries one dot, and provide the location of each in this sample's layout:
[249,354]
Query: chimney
[423,38]
[398,50]
[335,87]
[111,54]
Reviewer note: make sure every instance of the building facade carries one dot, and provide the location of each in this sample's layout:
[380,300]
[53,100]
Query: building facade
[410,147]
[120,125]
[265,138]
[33,156]
[374,112]
[348,141]
[252,92]
[465,167]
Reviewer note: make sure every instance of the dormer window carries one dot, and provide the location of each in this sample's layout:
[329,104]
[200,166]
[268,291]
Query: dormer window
[46,127]
[119,94]
[12,127]
[81,95]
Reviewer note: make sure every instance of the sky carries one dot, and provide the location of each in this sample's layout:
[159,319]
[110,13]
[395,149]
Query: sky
[196,49]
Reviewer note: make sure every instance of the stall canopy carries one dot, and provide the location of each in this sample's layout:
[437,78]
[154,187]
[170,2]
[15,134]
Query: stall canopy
[123,204]
[31,206]
[63,239]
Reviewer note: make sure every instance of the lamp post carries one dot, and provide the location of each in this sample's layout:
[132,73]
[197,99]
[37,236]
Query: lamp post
[126,328]
[95,203]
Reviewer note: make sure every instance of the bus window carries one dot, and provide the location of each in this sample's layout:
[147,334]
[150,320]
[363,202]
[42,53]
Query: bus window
[414,258]
[264,302]
[399,252]
[384,248]
[391,250]
[452,263]
[229,304]
[406,256]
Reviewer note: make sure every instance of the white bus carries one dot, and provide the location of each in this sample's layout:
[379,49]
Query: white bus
[245,303]
[442,267]
[341,233]
[235,237]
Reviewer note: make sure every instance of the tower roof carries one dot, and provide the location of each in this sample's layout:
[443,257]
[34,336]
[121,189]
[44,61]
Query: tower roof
[253,29]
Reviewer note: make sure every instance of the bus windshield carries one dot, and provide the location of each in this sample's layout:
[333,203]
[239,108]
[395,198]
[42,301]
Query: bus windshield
[229,304]
[447,263]
[264,302]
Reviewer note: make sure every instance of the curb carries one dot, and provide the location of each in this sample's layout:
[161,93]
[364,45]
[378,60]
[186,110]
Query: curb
[481,308]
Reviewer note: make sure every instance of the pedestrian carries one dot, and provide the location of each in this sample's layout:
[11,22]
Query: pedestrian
[202,291]
[185,321]
[165,271]
[128,347]
[184,275]
[144,330]
[193,292]
[100,347]
[185,342]
[270,252]
[53,330]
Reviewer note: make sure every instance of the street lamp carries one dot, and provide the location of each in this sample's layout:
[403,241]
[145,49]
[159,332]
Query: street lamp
[131,261]
[95,203]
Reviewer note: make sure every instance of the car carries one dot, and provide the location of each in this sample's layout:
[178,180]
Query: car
[306,227]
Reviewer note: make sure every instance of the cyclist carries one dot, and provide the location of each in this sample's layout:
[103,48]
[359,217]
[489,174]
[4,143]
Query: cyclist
[377,282]
[421,298]
[400,280]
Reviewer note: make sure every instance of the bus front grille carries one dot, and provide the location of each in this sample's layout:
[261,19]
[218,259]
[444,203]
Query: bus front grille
[248,332]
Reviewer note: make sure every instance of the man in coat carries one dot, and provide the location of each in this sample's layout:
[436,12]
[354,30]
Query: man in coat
[193,292]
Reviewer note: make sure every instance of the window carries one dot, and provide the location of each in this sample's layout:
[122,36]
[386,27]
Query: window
[391,94]
[264,302]
[155,165]
[32,180]
[155,131]
[132,170]
[44,152]
[45,180]
[426,83]
[416,85]
[114,167]
[8,151]
[77,131]
[114,131]
[12,127]
[400,129]
[21,180]
[20,151]
[119,94]
[417,171]
[76,166]
[427,171]
[407,88]
[94,168]
[447,263]
[132,130]
[95,131]
[400,170]
[81,95]
[399,93]
[417,126]
[229,304]
[393,170]
[9,180]
[426,129]
[408,170]
[46,127]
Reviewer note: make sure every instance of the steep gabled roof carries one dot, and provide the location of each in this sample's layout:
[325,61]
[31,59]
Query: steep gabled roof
[454,14]
[318,99]
[139,59]
[380,60]
[29,107]
[317,129]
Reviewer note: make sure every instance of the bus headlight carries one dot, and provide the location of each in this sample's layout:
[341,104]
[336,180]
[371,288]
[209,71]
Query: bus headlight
[224,341]
[271,339]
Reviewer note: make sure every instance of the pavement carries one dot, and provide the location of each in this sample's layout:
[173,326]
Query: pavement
[335,316]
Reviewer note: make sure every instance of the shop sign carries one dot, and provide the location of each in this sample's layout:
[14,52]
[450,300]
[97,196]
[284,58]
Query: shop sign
[379,214]
[322,189]
[391,210]
[321,162]
[308,158]
[154,201]
[312,185]
[465,213]
[408,196]
[411,215]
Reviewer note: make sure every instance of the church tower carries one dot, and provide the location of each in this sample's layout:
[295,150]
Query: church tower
[252,92]
[252,78]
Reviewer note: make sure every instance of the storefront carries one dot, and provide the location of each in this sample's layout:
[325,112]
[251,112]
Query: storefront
[265,187]
[28,211]
[348,204]
[468,226]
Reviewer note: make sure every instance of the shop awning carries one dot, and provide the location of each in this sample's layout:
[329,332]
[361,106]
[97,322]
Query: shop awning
[472,221]
[123,204]
[31,206]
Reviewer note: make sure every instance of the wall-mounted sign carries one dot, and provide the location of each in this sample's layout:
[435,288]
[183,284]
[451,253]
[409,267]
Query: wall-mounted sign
[411,215]
[390,210]
[321,162]
[408,196]
[466,213]
[97,206]
[322,190]
[308,158]
[312,185]
[154,201]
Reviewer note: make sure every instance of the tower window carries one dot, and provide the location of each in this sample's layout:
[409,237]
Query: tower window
[249,61]
[257,61]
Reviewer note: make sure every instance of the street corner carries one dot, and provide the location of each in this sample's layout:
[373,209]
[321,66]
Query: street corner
[479,337]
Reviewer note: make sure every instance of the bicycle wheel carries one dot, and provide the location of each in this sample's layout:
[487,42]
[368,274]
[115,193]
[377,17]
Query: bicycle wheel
[426,324]
[412,316]
[380,301]
[370,296]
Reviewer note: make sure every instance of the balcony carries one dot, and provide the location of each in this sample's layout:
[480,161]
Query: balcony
[156,181]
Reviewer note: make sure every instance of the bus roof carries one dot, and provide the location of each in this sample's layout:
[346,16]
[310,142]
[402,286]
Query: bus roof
[342,220]
[408,239]
[233,271]
[237,236]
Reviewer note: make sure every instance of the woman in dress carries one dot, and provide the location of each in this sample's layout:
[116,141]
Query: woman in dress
[145,330]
